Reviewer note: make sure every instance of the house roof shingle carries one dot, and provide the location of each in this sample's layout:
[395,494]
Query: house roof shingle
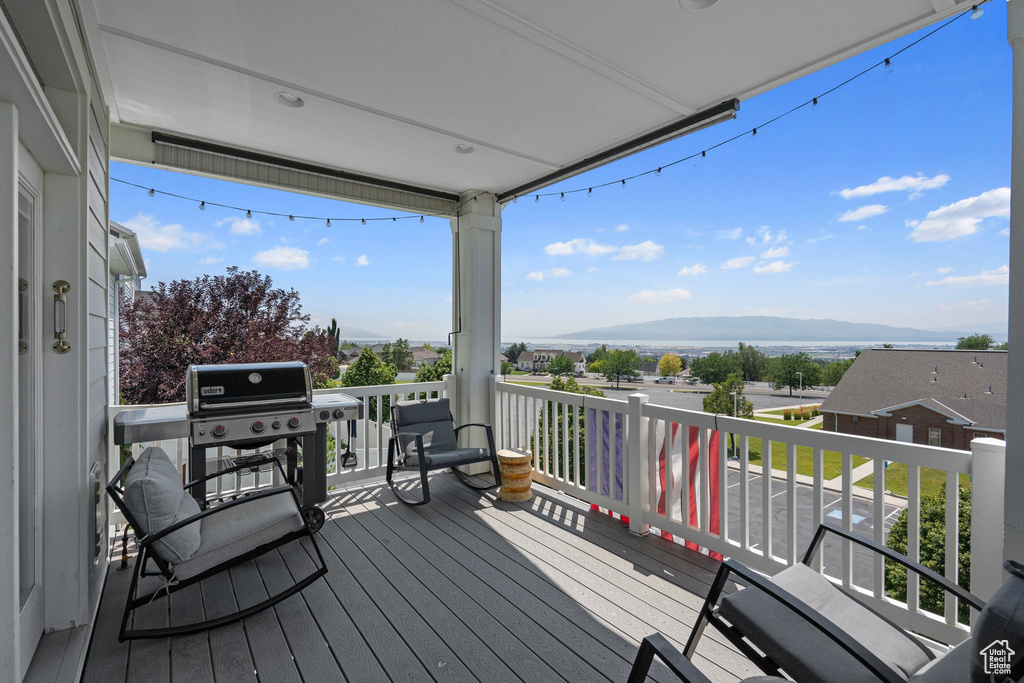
[882,379]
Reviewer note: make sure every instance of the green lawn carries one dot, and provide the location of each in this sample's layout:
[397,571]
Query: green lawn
[833,461]
[896,480]
[787,423]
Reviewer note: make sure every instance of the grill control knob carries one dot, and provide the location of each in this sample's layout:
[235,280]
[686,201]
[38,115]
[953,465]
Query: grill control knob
[258,427]
[338,413]
[294,423]
[276,424]
[219,432]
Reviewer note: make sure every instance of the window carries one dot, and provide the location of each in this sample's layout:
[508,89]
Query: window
[934,436]
[980,435]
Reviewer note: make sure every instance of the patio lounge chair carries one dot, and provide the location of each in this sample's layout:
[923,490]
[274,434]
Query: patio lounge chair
[806,626]
[424,437]
[188,544]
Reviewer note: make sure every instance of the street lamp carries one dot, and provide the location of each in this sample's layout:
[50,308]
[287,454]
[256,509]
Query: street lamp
[801,386]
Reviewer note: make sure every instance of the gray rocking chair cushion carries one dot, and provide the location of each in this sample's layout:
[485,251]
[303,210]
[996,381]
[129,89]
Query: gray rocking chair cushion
[452,458]
[240,529]
[156,499]
[430,419]
[803,651]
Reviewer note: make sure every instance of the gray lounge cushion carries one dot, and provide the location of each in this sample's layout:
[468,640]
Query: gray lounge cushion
[952,667]
[432,419]
[237,530]
[1001,623]
[156,499]
[805,653]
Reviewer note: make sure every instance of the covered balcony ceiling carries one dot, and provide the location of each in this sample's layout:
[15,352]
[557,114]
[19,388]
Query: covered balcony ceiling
[393,87]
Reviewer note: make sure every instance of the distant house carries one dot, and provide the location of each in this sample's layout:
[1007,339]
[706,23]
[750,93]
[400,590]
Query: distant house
[939,398]
[649,368]
[421,355]
[537,360]
[126,272]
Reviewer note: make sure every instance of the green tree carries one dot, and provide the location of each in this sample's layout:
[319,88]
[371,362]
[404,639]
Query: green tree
[886,346]
[721,402]
[565,434]
[506,367]
[561,365]
[975,342]
[437,371]
[334,334]
[933,551]
[620,364]
[782,371]
[833,372]
[669,364]
[715,367]
[594,367]
[1005,346]
[753,362]
[597,354]
[369,370]
[398,354]
[513,351]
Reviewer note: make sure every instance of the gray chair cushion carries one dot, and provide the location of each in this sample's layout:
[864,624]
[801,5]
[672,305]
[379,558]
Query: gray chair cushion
[430,418]
[154,496]
[952,667]
[805,653]
[1001,620]
[452,458]
[240,529]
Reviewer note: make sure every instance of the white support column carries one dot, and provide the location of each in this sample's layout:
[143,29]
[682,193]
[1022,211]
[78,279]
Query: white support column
[1013,518]
[10,643]
[476,310]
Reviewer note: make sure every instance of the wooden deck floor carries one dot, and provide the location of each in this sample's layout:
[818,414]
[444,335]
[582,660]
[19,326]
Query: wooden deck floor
[465,588]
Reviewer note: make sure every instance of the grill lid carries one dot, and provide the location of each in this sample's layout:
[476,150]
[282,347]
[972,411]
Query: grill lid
[244,387]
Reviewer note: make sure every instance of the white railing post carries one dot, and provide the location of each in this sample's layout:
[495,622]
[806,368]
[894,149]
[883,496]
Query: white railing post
[988,471]
[636,464]
[449,390]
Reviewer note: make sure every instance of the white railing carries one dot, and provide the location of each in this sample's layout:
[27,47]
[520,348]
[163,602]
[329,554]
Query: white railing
[366,437]
[659,466]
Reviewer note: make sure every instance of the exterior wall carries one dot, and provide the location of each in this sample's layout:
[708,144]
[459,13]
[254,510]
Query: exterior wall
[921,418]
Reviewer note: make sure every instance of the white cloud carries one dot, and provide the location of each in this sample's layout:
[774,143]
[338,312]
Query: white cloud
[621,227]
[914,274]
[578,246]
[210,260]
[663,297]
[773,267]
[591,270]
[645,251]
[751,241]
[738,262]
[945,270]
[288,258]
[819,238]
[541,275]
[362,261]
[961,218]
[695,269]
[242,226]
[999,276]
[1005,232]
[977,305]
[916,184]
[776,252]
[767,236]
[862,227]
[154,236]
[863,212]
[339,259]
[323,241]
[733,234]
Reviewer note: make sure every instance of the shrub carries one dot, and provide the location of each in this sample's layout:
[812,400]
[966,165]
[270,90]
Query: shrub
[787,414]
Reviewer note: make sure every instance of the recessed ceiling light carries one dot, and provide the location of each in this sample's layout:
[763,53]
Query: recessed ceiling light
[696,4]
[464,149]
[289,100]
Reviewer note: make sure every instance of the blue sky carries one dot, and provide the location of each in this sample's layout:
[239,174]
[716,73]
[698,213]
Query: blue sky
[887,203]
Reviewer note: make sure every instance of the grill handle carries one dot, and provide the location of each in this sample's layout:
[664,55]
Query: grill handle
[249,404]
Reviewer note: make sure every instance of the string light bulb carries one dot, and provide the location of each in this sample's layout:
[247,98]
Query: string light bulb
[515,199]
[152,192]
[623,182]
[536,199]
[328,222]
[703,154]
[658,172]
[291,217]
[248,214]
[753,133]
[563,196]
[421,219]
[202,206]
[814,102]
[976,12]
[888,66]
[590,191]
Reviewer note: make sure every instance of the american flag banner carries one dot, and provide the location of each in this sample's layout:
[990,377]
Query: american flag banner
[670,443]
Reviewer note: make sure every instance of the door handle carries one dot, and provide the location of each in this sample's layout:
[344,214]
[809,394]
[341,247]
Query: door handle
[60,316]
[22,286]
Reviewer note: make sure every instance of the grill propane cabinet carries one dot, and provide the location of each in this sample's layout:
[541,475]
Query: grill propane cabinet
[245,407]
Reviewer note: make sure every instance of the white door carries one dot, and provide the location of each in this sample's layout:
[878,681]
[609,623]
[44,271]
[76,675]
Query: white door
[905,433]
[30,350]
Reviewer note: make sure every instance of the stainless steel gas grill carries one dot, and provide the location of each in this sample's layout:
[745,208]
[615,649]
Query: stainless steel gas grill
[248,406]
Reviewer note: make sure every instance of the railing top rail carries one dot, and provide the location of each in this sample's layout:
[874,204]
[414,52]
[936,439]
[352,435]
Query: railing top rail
[374,389]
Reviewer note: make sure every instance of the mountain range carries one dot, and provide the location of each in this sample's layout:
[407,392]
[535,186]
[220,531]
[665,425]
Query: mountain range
[762,328]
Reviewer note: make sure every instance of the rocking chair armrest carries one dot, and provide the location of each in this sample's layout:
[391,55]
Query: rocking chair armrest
[757,582]
[149,539]
[235,468]
[487,427]
[657,644]
[890,554]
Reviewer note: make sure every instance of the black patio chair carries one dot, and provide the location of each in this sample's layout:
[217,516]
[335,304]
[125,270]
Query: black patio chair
[424,437]
[188,544]
[803,624]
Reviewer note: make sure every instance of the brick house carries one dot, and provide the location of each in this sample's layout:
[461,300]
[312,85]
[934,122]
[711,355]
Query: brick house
[940,398]
[538,359]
